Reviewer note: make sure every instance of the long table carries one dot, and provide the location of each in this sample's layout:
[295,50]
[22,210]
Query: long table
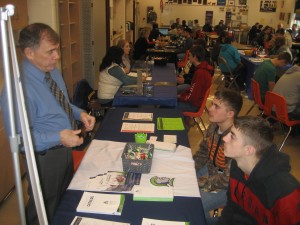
[165,91]
[187,204]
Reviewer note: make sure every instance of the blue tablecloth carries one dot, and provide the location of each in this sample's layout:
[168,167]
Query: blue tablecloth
[163,95]
[250,68]
[188,209]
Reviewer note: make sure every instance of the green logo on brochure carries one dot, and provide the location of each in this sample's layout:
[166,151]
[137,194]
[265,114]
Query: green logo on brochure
[162,181]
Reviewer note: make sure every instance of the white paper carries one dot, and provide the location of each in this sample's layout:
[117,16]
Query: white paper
[138,116]
[99,203]
[163,194]
[147,221]
[170,138]
[78,220]
[138,127]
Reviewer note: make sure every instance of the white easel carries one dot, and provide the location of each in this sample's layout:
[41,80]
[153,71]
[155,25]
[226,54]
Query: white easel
[14,138]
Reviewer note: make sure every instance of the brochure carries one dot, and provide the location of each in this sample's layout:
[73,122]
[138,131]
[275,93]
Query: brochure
[101,203]
[78,220]
[138,127]
[138,116]
[154,194]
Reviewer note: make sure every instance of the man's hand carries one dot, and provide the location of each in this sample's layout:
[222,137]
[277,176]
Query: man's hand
[87,120]
[70,138]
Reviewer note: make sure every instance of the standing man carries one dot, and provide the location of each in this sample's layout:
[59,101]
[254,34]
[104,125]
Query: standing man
[191,98]
[261,189]
[265,74]
[212,167]
[53,130]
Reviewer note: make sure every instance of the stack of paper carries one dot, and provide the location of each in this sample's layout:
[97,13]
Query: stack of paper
[138,127]
[155,194]
[101,203]
[138,116]
[164,146]
[86,221]
[147,221]
[113,181]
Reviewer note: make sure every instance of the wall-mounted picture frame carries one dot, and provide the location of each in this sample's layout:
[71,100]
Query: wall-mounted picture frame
[242,2]
[268,5]
[231,2]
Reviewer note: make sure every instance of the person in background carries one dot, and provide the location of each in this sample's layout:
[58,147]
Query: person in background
[142,43]
[177,23]
[294,30]
[215,51]
[191,99]
[53,132]
[180,37]
[279,28]
[154,33]
[207,27]
[289,87]
[183,24]
[126,61]
[253,33]
[261,189]
[265,74]
[279,46]
[288,39]
[230,54]
[112,76]
[212,167]
[189,41]
[220,27]
[196,26]
[264,37]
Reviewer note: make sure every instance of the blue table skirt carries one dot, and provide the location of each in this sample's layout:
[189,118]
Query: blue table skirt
[181,209]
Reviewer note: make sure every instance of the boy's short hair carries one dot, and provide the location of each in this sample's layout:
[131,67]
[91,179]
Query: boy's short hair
[198,51]
[284,56]
[257,132]
[232,99]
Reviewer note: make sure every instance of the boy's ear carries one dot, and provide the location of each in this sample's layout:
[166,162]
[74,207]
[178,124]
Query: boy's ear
[250,150]
[230,113]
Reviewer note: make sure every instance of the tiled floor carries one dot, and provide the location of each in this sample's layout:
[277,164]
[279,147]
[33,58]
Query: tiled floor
[9,208]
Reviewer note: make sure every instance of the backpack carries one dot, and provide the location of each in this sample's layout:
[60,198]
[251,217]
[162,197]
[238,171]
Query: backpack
[83,94]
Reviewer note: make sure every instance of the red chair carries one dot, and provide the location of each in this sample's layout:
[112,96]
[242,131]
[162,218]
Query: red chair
[198,114]
[255,92]
[183,62]
[77,157]
[275,107]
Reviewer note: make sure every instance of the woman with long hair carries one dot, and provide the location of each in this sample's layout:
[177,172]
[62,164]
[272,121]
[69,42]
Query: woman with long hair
[126,59]
[112,75]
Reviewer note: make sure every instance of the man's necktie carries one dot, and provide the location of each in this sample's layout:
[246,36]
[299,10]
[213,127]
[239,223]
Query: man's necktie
[60,97]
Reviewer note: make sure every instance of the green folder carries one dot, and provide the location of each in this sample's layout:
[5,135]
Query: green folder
[170,123]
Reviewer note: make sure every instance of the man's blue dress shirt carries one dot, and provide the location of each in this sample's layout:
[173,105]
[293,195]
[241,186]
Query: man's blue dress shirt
[46,116]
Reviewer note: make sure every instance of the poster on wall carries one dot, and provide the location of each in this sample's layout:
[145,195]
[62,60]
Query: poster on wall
[209,17]
[212,2]
[242,2]
[221,2]
[268,5]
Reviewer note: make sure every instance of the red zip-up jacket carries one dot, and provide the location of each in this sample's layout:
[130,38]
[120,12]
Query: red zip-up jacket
[200,83]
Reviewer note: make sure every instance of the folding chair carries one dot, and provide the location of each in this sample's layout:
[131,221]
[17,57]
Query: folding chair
[276,108]
[229,77]
[255,92]
[199,113]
